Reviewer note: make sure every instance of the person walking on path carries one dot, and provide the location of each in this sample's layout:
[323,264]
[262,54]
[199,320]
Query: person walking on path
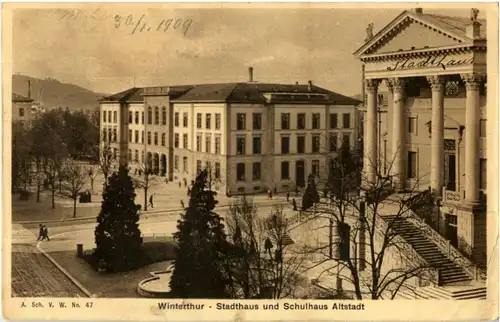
[287,196]
[151,201]
[40,232]
[45,233]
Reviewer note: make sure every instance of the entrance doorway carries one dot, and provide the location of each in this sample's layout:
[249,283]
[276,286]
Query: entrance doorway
[451,229]
[300,174]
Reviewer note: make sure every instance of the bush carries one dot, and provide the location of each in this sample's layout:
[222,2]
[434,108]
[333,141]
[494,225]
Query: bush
[24,194]
[153,250]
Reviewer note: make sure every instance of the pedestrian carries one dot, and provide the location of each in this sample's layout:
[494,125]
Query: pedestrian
[294,204]
[287,196]
[179,184]
[275,191]
[151,201]
[45,233]
[40,232]
[270,194]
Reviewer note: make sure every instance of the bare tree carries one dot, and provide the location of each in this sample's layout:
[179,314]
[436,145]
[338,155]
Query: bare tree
[263,264]
[92,173]
[361,217]
[75,179]
[107,160]
[54,156]
[144,179]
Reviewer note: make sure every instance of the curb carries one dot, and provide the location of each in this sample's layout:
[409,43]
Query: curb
[60,268]
[149,212]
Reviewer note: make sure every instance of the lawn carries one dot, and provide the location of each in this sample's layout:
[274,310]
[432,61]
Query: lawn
[158,253]
[30,210]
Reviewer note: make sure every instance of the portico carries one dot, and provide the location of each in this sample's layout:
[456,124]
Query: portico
[435,69]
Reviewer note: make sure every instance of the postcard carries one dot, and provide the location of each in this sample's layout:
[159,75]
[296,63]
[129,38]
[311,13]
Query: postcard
[250,161]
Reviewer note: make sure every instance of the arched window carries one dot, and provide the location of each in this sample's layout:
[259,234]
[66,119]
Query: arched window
[150,114]
[163,137]
[164,115]
[157,115]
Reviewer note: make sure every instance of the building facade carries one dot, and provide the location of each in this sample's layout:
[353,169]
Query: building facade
[21,108]
[252,136]
[433,130]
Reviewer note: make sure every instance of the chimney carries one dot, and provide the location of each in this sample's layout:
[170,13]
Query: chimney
[418,11]
[29,89]
[309,86]
[250,74]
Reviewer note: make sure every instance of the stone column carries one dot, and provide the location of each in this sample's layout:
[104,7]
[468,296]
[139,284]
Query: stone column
[370,142]
[399,121]
[472,84]
[437,134]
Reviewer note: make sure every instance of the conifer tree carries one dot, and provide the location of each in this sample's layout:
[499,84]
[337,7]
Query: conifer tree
[117,235]
[310,194]
[200,256]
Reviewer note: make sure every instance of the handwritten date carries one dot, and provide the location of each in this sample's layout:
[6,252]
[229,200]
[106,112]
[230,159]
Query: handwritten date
[141,25]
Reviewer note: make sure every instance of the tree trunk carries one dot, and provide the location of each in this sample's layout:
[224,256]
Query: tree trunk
[53,196]
[38,190]
[74,207]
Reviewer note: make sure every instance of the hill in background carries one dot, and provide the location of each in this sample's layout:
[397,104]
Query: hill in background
[57,94]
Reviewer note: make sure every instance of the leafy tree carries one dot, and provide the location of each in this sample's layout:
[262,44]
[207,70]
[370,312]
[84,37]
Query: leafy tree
[21,156]
[199,265]
[117,235]
[310,194]
[344,172]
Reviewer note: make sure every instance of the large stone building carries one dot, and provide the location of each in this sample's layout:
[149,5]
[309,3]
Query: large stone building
[253,136]
[433,130]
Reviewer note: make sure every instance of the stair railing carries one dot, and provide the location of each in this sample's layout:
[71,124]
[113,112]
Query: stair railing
[445,246]
[413,257]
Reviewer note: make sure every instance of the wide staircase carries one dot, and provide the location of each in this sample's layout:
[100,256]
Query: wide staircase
[450,273]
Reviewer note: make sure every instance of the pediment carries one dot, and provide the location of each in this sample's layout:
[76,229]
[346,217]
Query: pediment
[414,35]
[410,32]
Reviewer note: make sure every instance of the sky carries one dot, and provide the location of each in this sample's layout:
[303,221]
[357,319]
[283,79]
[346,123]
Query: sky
[92,48]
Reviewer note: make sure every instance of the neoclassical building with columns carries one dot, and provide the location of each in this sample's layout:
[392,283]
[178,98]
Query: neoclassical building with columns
[432,134]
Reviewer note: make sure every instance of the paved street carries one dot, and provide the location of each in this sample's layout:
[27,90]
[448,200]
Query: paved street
[33,275]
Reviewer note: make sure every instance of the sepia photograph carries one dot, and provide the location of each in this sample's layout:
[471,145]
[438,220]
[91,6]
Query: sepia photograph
[310,159]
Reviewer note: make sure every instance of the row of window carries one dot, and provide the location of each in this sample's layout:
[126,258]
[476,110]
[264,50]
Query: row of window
[315,143]
[110,117]
[286,121]
[110,134]
[240,142]
[257,170]
[240,119]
